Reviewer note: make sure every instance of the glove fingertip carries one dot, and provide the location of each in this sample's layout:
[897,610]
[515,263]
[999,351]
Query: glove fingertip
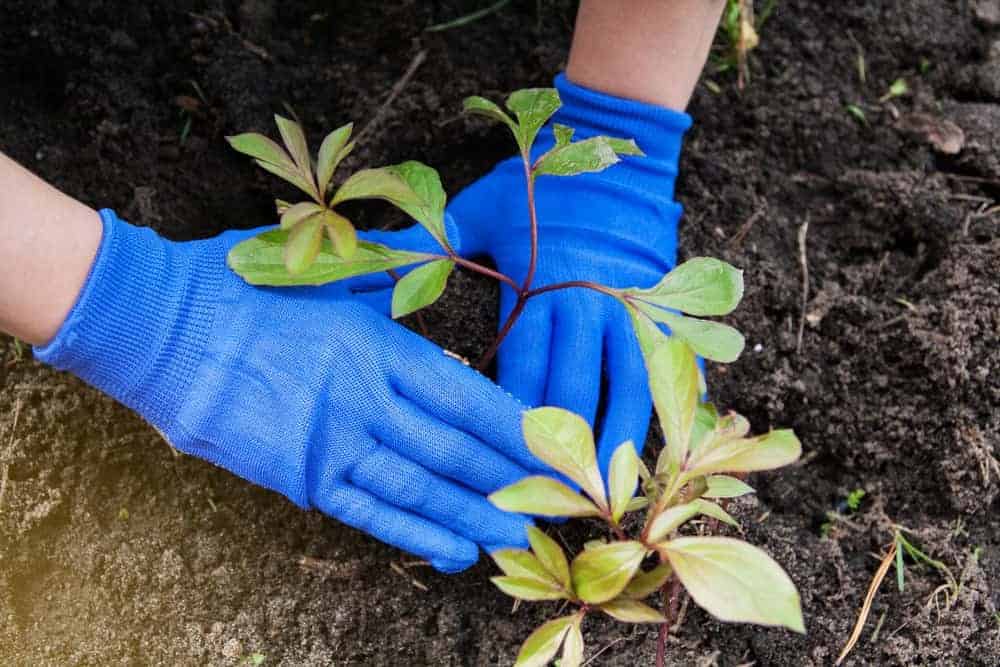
[452,566]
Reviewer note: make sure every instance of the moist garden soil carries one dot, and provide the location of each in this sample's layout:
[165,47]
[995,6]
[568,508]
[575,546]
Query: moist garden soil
[114,550]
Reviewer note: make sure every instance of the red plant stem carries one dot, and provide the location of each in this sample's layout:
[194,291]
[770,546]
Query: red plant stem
[661,645]
[533,261]
[671,598]
[490,273]
[572,283]
[507,326]
[522,293]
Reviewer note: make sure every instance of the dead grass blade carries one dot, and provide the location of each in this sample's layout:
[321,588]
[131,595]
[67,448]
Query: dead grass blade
[866,608]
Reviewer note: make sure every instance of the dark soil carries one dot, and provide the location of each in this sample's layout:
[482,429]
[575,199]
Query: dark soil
[115,551]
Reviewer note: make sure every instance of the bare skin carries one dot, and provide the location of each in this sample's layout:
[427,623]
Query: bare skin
[47,244]
[649,50]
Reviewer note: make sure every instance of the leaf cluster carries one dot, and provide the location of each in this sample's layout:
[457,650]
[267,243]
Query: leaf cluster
[299,254]
[705,454]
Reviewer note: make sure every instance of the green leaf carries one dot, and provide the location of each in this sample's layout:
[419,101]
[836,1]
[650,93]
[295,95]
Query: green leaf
[644,584]
[420,287]
[543,644]
[674,517]
[280,205]
[295,142]
[590,155]
[711,340]
[564,441]
[632,611]
[728,427]
[735,581]
[481,106]
[700,286]
[705,419]
[533,108]
[625,146]
[260,147]
[724,486]
[296,213]
[551,556]
[260,261]
[411,186]
[637,503]
[543,496]
[601,573]
[291,175]
[524,588]
[572,655]
[341,233]
[522,564]
[333,149]
[646,331]
[563,134]
[765,452]
[623,476]
[304,241]
[673,381]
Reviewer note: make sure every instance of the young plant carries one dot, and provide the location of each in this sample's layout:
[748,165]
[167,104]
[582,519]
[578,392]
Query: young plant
[741,30]
[695,470]
[704,450]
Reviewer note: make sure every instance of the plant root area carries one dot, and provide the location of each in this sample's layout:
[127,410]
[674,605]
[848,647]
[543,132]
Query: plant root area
[874,332]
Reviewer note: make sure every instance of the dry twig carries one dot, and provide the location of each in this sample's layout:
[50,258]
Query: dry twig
[397,88]
[804,263]
[866,608]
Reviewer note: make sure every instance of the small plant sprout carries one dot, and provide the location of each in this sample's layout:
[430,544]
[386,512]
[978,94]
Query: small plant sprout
[706,454]
[742,31]
[857,112]
[897,88]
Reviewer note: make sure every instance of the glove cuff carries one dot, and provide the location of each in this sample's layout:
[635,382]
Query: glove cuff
[658,130]
[141,321]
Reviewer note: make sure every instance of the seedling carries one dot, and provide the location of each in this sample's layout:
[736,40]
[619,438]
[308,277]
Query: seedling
[704,450]
[919,557]
[857,112]
[847,505]
[854,499]
[742,32]
[898,88]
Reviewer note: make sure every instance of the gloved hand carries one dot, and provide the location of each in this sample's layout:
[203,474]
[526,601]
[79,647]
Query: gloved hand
[323,400]
[617,227]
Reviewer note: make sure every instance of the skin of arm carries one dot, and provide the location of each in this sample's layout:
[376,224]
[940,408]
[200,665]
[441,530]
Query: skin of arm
[647,50]
[48,241]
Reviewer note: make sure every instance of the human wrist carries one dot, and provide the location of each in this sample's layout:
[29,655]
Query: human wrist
[141,320]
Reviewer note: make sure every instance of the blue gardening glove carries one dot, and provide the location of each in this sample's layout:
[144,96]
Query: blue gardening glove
[323,400]
[617,227]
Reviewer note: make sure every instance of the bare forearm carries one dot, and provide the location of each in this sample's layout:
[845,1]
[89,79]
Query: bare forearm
[47,244]
[647,50]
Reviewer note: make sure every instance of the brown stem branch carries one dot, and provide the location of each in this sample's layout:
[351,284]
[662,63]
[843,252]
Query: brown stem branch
[486,271]
[586,284]
[528,278]
[504,330]
[533,261]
